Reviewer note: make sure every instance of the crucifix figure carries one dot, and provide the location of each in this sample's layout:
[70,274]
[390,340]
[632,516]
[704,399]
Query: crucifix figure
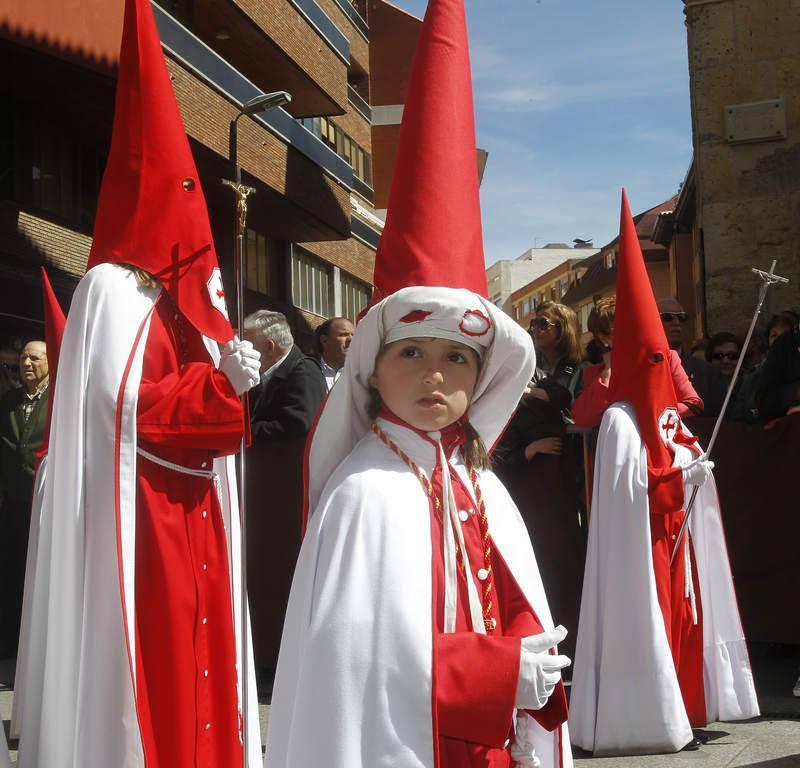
[242,192]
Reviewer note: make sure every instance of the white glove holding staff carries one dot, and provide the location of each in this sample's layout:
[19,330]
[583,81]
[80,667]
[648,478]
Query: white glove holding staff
[695,470]
[698,471]
[241,363]
[539,671]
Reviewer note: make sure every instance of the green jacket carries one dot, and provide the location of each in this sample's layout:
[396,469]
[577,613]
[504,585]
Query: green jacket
[19,442]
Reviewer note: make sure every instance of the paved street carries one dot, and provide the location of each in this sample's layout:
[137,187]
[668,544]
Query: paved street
[772,741]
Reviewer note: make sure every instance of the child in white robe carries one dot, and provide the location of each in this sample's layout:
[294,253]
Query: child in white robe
[417,632]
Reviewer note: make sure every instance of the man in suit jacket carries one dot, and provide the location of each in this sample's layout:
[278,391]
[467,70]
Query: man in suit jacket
[23,413]
[282,409]
[284,403]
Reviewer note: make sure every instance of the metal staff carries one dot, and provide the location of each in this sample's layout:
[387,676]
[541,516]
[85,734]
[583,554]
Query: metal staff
[767,279]
[260,103]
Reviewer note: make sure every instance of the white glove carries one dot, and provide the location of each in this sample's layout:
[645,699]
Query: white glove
[241,364]
[683,455]
[539,671]
[523,751]
[698,471]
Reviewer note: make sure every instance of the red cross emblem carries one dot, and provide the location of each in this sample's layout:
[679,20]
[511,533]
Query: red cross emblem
[668,423]
[216,292]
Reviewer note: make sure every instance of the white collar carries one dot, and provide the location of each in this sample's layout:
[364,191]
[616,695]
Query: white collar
[267,375]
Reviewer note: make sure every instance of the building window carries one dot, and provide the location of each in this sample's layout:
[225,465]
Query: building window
[516,311]
[564,285]
[553,293]
[526,307]
[259,262]
[355,297]
[585,310]
[329,133]
[311,283]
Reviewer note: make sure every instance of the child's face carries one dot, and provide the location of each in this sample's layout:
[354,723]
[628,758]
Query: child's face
[426,382]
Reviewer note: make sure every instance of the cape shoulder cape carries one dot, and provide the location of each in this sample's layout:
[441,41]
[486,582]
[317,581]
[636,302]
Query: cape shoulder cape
[25,640]
[79,705]
[354,682]
[625,696]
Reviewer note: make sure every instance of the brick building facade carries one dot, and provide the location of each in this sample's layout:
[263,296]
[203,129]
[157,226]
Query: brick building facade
[312,224]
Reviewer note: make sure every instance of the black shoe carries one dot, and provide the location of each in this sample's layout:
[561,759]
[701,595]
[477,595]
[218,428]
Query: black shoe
[702,736]
[693,745]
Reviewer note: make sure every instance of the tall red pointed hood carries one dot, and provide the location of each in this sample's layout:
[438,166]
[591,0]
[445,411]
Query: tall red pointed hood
[152,213]
[433,226]
[54,322]
[640,352]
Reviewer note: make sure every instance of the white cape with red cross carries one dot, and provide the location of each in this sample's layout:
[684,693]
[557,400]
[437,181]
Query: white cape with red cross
[79,703]
[625,697]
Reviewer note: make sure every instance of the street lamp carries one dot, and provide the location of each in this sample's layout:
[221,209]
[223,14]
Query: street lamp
[260,103]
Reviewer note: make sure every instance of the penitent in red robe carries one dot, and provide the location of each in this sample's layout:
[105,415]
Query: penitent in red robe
[475,675]
[186,682]
[684,633]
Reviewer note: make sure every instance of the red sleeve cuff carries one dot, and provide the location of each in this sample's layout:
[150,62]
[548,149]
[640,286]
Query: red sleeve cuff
[476,686]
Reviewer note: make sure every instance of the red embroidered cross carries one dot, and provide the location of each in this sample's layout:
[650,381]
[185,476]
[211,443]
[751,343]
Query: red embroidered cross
[670,426]
[220,293]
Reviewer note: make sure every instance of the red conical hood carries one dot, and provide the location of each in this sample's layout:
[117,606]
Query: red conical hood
[640,354]
[54,322]
[152,212]
[433,225]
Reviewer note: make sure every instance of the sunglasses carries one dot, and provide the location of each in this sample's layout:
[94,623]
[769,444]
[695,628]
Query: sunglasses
[668,317]
[725,356]
[542,324]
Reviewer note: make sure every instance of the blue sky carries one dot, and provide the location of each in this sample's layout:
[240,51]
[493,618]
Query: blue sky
[575,99]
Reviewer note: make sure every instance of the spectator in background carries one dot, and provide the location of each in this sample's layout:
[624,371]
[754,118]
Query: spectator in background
[333,340]
[699,348]
[556,337]
[778,392]
[284,403]
[283,406]
[590,405]
[539,463]
[23,412]
[781,323]
[705,379]
[723,353]
[9,370]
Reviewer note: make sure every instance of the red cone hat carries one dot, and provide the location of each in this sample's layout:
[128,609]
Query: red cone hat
[433,232]
[640,366]
[152,213]
[54,322]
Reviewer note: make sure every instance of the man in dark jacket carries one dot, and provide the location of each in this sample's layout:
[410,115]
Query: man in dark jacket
[23,413]
[282,409]
[284,403]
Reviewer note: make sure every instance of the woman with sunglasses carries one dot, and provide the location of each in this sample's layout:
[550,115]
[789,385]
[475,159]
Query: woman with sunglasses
[591,404]
[539,466]
[723,353]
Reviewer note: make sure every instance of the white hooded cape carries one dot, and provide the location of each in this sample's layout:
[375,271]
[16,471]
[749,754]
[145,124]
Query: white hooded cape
[78,707]
[625,697]
[20,682]
[354,685]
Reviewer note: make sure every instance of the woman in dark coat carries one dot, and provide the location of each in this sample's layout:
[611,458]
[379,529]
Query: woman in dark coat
[539,462]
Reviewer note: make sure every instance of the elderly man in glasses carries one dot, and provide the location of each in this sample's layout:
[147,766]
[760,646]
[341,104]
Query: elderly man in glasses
[706,379]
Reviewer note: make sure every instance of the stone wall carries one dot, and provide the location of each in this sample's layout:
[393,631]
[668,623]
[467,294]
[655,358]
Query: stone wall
[748,194]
